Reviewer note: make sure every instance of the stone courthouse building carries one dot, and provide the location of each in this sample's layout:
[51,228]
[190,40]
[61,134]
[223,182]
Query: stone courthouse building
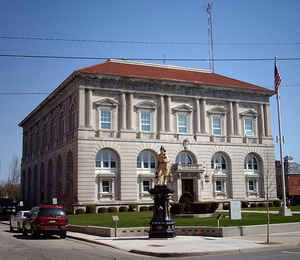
[95,138]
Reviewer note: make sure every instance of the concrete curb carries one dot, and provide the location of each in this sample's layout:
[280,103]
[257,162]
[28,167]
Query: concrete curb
[186,254]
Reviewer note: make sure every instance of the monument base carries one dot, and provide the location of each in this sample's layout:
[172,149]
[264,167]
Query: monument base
[161,225]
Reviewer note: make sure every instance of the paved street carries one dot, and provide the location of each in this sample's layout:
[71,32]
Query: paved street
[15,246]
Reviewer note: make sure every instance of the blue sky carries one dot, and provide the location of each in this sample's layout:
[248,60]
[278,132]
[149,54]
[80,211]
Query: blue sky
[241,29]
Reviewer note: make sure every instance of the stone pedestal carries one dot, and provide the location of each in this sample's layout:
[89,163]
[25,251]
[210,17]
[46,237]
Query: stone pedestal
[161,225]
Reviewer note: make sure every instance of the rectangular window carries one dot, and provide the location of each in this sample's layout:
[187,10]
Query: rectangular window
[105,119]
[216,125]
[105,186]
[249,127]
[182,123]
[146,186]
[145,121]
[252,185]
[219,185]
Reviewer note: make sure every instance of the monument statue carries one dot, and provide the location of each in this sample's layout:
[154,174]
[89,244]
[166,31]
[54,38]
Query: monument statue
[162,225]
[164,175]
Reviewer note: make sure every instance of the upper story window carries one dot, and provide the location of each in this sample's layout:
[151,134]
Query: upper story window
[251,163]
[182,115]
[218,162]
[182,123]
[145,121]
[106,113]
[249,127]
[146,160]
[216,125]
[184,158]
[145,116]
[249,119]
[106,159]
[105,119]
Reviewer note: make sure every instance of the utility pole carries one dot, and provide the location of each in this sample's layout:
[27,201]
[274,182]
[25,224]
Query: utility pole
[210,39]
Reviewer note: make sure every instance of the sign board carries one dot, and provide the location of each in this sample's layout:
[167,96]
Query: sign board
[54,201]
[21,204]
[235,209]
[115,218]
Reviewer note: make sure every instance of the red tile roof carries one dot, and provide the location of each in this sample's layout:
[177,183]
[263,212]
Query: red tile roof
[162,72]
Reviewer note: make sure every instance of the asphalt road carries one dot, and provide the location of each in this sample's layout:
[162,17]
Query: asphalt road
[14,246]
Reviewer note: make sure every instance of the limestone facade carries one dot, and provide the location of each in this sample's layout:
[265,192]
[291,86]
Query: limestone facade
[94,140]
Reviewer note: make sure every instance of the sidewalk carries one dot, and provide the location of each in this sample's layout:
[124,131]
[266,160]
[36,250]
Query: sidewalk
[194,245]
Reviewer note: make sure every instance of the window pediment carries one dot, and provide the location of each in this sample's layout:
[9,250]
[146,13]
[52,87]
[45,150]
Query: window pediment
[106,102]
[182,108]
[145,105]
[217,110]
[249,113]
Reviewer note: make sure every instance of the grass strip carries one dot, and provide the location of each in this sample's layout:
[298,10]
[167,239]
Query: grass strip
[142,219]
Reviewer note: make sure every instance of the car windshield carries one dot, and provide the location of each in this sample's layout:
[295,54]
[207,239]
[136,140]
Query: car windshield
[52,212]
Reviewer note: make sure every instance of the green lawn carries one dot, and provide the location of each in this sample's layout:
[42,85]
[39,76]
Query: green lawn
[142,219]
[293,208]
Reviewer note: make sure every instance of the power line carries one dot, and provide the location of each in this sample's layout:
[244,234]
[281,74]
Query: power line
[142,42]
[142,59]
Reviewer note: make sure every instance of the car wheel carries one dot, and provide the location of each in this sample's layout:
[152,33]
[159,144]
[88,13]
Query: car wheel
[35,234]
[63,234]
[25,232]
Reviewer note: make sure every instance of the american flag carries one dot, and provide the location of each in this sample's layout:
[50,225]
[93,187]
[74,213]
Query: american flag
[277,79]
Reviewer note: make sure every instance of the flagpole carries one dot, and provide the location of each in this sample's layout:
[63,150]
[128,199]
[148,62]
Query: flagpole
[284,211]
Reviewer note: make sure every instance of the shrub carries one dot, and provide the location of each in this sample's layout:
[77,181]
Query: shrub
[132,207]
[204,207]
[112,209]
[151,208]
[123,209]
[91,208]
[102,210]
[261,205]
[253,205]
[177,208]
[186,197]
[226,206]
[245,204]
[144,208]
[276,203]
[79,211]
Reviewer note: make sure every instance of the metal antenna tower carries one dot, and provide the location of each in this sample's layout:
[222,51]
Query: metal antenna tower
[210,39]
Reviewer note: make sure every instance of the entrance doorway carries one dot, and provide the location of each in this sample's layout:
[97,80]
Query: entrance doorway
[188,186]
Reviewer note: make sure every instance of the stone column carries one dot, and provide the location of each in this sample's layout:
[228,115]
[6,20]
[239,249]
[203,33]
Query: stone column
[88,107]
[197,116]
[162,114]
[123,111]
[130,111]
[268,129]
[231,120]
[262,131]
[236,118]
[179,186]
[168,108]
[203,116]
[82,107]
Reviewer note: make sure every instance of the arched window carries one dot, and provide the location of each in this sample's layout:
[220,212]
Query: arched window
[218,162]
[251,163]
[184,158]
[146,160]
[106,159]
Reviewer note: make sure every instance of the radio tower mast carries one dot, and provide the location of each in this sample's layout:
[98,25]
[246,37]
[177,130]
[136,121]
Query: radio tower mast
[210,39]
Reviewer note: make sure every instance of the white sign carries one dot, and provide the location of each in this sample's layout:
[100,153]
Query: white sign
[235,209]
[54,201]
[115,218]
[21,204]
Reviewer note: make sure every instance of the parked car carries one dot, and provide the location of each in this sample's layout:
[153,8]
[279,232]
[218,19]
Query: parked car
[16,221]
[46,220]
